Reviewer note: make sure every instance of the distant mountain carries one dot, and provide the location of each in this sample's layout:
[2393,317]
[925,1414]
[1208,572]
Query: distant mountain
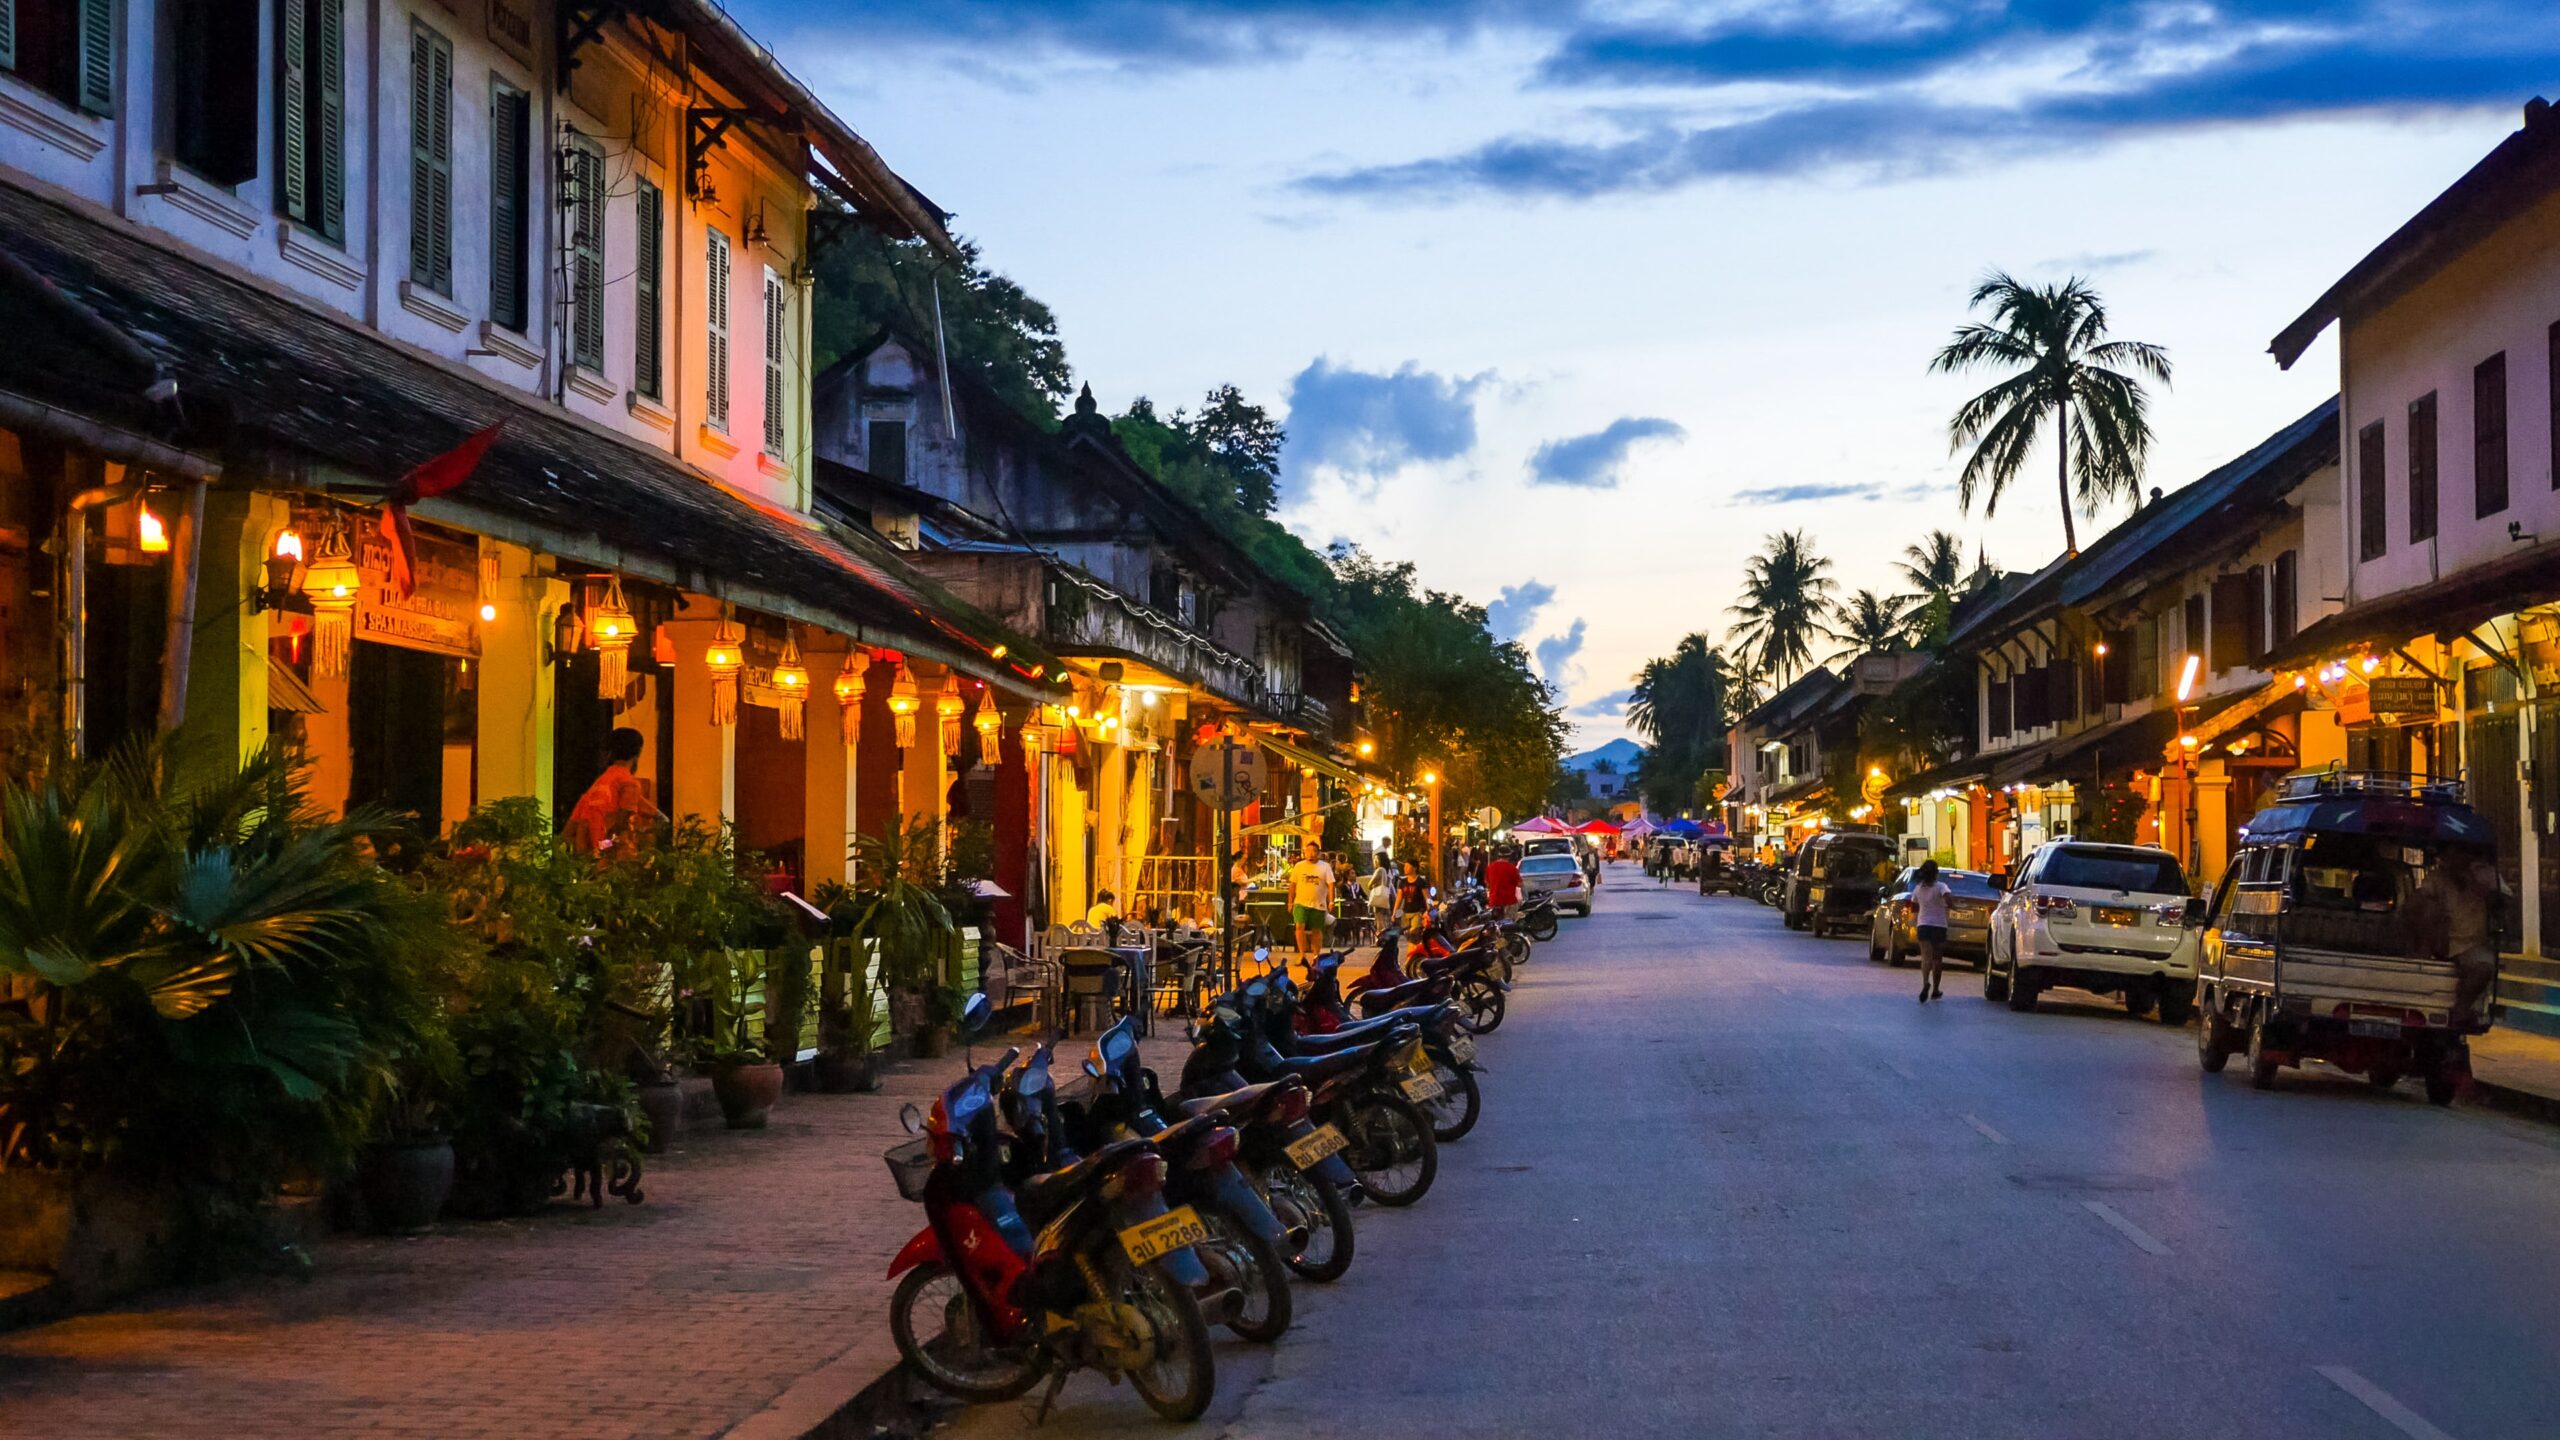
[1620,752]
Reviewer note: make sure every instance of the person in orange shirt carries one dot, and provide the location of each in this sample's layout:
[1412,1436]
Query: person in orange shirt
[616,803]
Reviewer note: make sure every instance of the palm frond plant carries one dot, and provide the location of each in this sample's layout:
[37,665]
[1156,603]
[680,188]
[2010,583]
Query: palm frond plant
[1934,570]
[1786,600]
[1866,624]
[2067,381]
[897,913]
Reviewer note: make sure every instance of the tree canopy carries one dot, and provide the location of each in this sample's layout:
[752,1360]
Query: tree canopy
[1682,705]
[991,327]
[1786,601]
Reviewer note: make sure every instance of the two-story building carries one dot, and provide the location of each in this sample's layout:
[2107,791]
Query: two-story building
[278,274]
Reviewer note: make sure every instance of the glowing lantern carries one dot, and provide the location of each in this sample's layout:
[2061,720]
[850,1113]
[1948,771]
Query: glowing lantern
[488,587]
[662,646]
[331,584]
[726,657]
[903,704]
[848,688]
[990,730]
[150,533]
[611,628]
[791,683]
[948,706]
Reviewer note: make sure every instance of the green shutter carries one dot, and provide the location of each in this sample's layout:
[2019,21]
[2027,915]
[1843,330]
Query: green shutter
[649,225]
[586,211]
[777,311]
[293,118]
[98,56]
[328,139]
[715,293]
[9,34]
[431,161]
[509,116]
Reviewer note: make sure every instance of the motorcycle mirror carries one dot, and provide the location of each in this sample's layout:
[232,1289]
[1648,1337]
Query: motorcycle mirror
[975,1015]
[1093,1067]
[1434,892]
[1261,954]
[912,1118]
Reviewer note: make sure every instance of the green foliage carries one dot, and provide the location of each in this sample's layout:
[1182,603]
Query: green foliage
[1785,603]
[1683,705]
[868,283]
[896,909]
[2110,814]
[1867,624]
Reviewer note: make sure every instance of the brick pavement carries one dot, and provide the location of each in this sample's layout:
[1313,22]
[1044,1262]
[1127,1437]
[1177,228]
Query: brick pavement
[755,1263]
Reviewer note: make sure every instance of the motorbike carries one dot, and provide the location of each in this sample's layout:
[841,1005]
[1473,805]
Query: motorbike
[1316,1021]
[1538,918]
[1466,968]
[1385,1140]
[1075,1268]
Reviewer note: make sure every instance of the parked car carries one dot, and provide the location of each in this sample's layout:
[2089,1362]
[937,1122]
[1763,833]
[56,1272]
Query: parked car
[1546,845]
[1559,877]
[1834,880]
[1894,932]
[2106,918]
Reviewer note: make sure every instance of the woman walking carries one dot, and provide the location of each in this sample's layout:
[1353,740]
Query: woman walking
[1929,917]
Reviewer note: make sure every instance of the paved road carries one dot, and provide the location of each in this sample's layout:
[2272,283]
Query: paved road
[1734,1181]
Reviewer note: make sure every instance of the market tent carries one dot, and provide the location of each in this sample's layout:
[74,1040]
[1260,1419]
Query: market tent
[1538,825]
[1595,827]
[1681,827]
[1637,829]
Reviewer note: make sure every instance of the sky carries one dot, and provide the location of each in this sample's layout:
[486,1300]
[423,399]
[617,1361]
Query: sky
[1574,304]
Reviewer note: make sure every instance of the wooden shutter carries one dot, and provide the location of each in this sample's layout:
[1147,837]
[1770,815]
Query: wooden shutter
[2423,507]
[715,293]
[776,312]
[2253,617]
[2551,378]
[586,258]
[2372,513]
[510,121]
[1996,699]
[8,34]
[649,224]
[97,67]
[2066,691]
[2229,643]
[2489,436]
[293,116]
[430,160]
[2287,599]
[328,116]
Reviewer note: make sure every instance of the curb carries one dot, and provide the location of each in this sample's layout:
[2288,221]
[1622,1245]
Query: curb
[2530,1104]
[829,1403]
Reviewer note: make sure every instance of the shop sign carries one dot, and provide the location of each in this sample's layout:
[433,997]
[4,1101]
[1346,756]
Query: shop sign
[442,616]
[2402,695]
[1209,772]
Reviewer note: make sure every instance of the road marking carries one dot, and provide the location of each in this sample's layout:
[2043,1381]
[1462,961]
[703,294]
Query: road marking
[2142,1239]
[2378,1400]
[1994,1136]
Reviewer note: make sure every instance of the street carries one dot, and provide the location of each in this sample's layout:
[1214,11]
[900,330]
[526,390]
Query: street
[1734,1181]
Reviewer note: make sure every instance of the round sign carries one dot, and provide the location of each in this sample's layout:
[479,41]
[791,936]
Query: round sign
[1212,781]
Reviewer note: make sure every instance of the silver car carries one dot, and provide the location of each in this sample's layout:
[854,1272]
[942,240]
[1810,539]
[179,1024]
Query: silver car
[1894,932]
[1558,877]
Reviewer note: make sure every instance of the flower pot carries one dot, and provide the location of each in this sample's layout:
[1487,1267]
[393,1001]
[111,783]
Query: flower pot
[405,1182]
[747,1093]
[664,1105]
[932,1042]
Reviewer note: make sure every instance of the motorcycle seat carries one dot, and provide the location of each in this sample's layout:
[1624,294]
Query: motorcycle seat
[1427,990]
[1234,1102]
[1355,1034]
[1046,1194]
[1317,1069]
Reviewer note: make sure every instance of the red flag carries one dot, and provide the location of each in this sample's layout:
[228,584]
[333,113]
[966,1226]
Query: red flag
[430,479]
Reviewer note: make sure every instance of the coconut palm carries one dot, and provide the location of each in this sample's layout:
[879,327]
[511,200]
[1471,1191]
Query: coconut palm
[1681,705]
[2064,371]
[1866,624]
[1785,603]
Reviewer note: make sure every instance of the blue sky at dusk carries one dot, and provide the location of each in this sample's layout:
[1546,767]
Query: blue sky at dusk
[1572,304]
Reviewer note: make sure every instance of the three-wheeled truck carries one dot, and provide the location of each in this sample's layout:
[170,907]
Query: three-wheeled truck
[2309,949]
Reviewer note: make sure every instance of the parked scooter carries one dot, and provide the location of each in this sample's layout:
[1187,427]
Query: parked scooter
[1387,1141]
[1315,1021]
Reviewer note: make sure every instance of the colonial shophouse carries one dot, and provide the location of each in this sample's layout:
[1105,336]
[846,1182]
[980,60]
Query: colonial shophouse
[261,261]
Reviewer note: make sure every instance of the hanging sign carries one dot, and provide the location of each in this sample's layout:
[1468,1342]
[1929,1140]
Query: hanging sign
[1209,773]
[2402,695]
[441,616]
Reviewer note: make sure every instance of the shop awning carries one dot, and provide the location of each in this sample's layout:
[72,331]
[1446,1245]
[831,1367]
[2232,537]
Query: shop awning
[2095,754]
[1953,775]
[1306,759]
[285,691]
[2267,697]
[2454,605]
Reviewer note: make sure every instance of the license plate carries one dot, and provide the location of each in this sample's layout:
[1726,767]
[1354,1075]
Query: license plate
[2378,1029]
[1462,1048]
[1157,1238]
[1419,1088]
[2113,915]
[1308,1151]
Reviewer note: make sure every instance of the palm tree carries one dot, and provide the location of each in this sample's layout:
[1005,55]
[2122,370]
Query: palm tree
[1934,569]
[2064,370]
[1866,624]
[1786,600]
[1681,705]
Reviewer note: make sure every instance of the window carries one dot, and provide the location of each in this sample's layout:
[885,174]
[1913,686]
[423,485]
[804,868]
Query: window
[2370,511]
[1164,589]
[584,209]
[2489,435]
[777,394]
[66,48]
[2116,668]
[2091,867]
[213,88]
[2286,601]
[2552,383]
[311,115]
[2422,468]
[715,248]
[510,203]
[649,225]
[1995,718]
[431,160]
[884,450]
[2229,642]
[2191,638]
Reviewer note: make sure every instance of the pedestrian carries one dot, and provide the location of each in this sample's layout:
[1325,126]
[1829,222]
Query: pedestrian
[1502,883]
[1308,900]
[1591,866]
[1929,919]
[616,803]
[2456,910]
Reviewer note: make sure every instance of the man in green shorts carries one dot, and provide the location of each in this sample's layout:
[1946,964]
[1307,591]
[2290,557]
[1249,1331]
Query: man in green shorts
[1310,900]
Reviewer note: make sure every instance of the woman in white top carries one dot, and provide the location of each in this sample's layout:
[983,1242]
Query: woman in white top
[1928,899]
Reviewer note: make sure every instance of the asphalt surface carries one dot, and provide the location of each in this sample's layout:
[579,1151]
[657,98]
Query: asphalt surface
[1735,1181]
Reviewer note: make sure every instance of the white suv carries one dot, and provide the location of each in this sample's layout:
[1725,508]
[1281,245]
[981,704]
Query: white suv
[2116,919]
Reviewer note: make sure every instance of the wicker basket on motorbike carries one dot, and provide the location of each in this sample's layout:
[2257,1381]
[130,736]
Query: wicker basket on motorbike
[910,1164]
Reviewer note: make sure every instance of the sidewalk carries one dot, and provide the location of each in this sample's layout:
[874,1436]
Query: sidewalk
[2518,1070]
[744,1298]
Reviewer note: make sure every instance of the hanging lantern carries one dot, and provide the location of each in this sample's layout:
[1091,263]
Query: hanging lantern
[488,586]
[726,657]
[611,628]
[848,688]
[151,535]
[948,706]
[791,683]
[903,704]
[331,584]
[990,730]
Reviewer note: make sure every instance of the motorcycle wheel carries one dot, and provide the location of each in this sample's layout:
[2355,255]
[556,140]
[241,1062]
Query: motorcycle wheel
[1542,926]
[956,1360]
[1263,1313]
[1516,949]
[1392,1151]
[1315,1203]
[1459,1105]
[1183,1377]
[1481,1004]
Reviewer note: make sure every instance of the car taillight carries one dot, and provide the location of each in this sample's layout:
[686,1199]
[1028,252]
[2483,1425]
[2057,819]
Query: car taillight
[2172,914]
[2057,907]
[1215,1151]
[1141,1177]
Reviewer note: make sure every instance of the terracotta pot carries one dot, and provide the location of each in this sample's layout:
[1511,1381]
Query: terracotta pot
[747,1093]
[405,1182]
[664,1105]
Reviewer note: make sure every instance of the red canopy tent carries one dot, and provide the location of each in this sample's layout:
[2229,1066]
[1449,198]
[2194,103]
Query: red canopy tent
[1595,827]
[1539,825]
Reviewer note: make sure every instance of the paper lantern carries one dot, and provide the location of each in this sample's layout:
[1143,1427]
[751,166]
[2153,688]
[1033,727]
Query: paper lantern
[662,646]
[990,730]
[791,685]
[948,707]
[151,535]
[903,704]
[726,657]
[611,629]
[848,690]
[331,584]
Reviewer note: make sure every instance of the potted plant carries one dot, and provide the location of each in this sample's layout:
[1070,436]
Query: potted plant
[847,1013]
[745,1076]
[907,926]
[406,1175]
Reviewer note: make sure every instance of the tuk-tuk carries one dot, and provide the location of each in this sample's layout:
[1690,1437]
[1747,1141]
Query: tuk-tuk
[2309,952]
[1835,880]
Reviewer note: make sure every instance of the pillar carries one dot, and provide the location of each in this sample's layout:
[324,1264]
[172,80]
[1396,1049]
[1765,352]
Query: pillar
[827,821]
[875,757]
[1069,828]
[1111,870]
[926,774]
[517,680]
[226,717]
[2212,843]
[1977,837]
[1012,820]
[706,755]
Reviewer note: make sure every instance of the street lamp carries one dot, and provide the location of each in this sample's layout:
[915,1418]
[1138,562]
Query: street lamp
[1439,871]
